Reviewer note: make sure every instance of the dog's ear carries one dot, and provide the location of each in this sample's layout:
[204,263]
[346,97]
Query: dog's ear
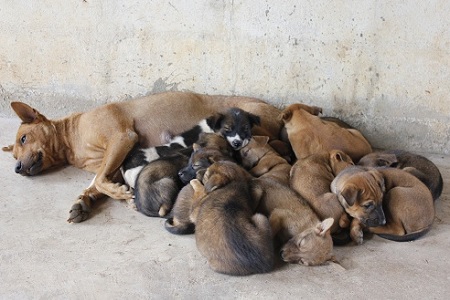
[254,119]
[214,122]
[261,139]
[350,194]
[26,113]
[286,115]
[387,160]
[8,148]
[325,226]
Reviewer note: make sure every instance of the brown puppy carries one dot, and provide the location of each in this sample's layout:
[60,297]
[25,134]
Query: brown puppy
[304,238]
[259,158]
[309,134]
[417,165]
[233,239]
[311,178]
[390,202]
[210,148]
[99,140]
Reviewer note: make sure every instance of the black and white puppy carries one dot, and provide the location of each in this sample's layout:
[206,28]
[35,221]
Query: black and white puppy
[148,170]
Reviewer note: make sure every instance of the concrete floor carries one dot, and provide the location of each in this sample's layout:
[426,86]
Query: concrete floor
[120,254]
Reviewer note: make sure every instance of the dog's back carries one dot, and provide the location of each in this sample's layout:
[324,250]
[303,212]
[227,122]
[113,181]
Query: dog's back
[234,240]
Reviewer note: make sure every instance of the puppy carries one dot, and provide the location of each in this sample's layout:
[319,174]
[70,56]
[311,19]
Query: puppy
[311,178]
[294,224]
[417,165]
[211,147]
[259,158]
[233,239]
[389,202]
[308,134]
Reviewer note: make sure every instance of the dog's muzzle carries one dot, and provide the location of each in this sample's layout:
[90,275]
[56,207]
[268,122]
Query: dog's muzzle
[376,218]
[31,168]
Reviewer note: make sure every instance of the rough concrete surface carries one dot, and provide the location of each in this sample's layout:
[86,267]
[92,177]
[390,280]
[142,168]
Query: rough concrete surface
[121,254]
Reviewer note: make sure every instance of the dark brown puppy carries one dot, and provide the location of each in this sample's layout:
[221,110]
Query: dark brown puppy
[303,237]
[389,202]
[417,165]
[311,178]
[210,148]
[233,239]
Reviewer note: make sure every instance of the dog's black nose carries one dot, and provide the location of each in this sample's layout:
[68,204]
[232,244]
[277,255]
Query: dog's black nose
[19,167]
[237,144]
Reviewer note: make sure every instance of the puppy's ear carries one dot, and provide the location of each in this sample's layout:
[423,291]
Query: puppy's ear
[261,140]
[26,113]
[254,119]
[350,194]
[285,115]
[8,148]
[215,121]
[388,160]
[324,227]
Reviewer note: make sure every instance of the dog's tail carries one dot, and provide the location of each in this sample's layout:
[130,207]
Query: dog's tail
[252,246]
[180,228]
[155,199]
[407,237]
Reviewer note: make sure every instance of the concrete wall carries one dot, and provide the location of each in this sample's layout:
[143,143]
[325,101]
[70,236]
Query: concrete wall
[382,66]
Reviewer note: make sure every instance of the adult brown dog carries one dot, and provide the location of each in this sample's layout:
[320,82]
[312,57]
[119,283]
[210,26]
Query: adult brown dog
[390,202]
[233,239]
[309,134]
[304,238]
[311,178]
[99,140]
[417,165]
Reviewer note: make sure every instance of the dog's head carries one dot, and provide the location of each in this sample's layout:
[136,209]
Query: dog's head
[254,151]
[361,195]
[287,114]
[376,159]
[235,125]
[36,143]
[339,160]
[209,149]
[312,247]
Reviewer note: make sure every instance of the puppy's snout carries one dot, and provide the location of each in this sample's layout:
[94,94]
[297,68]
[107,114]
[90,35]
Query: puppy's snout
[19,167]
[237,144]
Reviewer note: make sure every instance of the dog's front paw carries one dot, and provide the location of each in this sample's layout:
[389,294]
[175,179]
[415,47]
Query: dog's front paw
[357,235]
[79,212]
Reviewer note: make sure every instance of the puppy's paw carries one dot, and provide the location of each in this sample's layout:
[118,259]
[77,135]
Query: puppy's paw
[79,212]
[131,204]
[357,235]
[122,191]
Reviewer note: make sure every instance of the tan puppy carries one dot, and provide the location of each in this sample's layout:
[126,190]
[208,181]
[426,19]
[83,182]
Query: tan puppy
[233,239]
[310,134]
[304,238]
[259,158]
[417,165]
[99,140]
[390,202]
[311,178]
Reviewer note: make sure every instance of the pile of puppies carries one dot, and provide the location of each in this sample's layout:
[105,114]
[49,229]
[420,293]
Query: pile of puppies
[232,182]
[243,199]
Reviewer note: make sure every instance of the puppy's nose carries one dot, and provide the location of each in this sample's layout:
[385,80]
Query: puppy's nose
[237,143]
[19,167]
[180,174]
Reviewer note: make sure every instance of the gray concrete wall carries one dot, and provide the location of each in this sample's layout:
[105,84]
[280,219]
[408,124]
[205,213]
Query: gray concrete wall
[383,66]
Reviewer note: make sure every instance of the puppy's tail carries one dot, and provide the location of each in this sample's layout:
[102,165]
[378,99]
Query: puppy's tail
[405,238]
[155,199]
[179,228]
[253,247]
